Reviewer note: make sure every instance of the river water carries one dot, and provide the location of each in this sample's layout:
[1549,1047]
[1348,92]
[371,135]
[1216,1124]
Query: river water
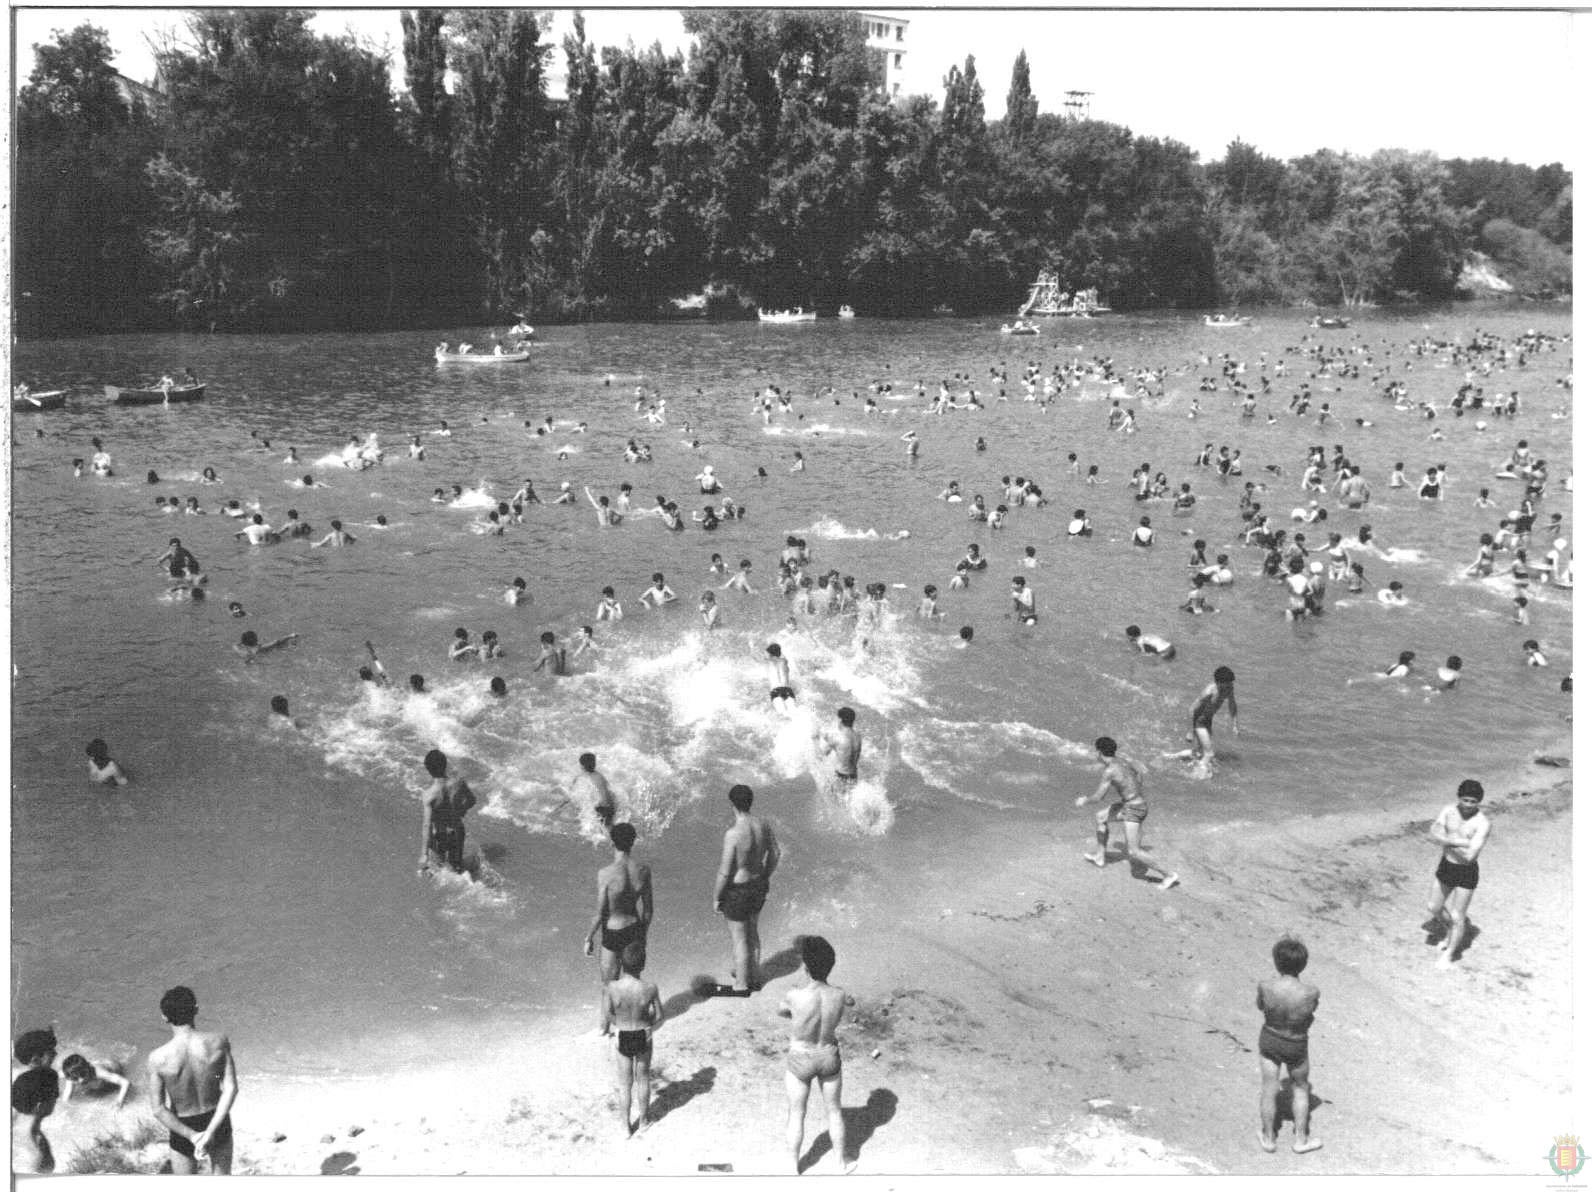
[273,868]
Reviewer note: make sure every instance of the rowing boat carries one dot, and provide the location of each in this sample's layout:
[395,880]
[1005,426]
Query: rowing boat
[482,357]
[154,397]
[32,403]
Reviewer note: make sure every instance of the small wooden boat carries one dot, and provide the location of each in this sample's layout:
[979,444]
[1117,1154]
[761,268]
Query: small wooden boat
[1227,320]
[518,357]
[787,316]
[1331,321]
[154,397]
[846,312]
[29,402]
[1019,328]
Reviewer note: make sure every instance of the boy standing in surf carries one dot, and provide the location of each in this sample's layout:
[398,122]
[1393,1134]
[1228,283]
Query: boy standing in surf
[442,812]
[1203,713]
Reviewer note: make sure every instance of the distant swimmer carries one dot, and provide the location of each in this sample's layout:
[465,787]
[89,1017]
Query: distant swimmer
[815,1009]
[609,608]
[659,594]
[1460,831]
[1123,780]
[102,769]
[375,672]
[632,1010]
[442,810]
[1023,601]
[708,608]
[337,537]
[279,708]
[1533,653]
[250,646]
[1149,643]
[964,637]
[461,648]
[193,1084]
[589,786]
[1393,595]
[258,533]
[1289,1006]
[741,579]
[180,561]
[553,655]
[515,593]
[748,860]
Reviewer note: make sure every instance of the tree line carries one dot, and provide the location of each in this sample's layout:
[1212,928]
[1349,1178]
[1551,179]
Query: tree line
[275,181]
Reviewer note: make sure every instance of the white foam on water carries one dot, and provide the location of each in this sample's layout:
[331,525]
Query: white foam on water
[474,498]
[957,756]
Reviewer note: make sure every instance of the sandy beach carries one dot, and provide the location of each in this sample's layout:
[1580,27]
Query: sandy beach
[1042,1017]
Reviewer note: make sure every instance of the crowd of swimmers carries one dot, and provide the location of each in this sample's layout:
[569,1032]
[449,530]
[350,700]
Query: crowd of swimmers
[1307,572]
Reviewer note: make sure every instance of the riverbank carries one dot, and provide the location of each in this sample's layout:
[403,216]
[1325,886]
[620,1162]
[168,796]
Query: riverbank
[1037,1015]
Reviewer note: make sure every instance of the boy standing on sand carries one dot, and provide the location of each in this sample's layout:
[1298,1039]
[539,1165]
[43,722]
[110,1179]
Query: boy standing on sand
[34,1093]
[1461,831]
[750,856]
[814,1009]
[632,1005]
[1290,1007]
[192,1086]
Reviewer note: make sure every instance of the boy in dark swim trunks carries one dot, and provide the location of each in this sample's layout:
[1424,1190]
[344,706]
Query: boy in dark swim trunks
[34,1093]
[632,1005]
[192,1086]
[1461,831]
[443,808]
[815,1009]
[624,906]
[748,860]
[1290,1007]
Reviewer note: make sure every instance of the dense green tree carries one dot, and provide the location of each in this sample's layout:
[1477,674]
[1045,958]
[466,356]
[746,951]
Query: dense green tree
[80,197]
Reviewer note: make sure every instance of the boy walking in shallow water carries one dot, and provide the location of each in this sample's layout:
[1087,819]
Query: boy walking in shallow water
[1290,1007]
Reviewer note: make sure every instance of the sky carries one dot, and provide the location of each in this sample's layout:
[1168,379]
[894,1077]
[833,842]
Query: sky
[1458,82]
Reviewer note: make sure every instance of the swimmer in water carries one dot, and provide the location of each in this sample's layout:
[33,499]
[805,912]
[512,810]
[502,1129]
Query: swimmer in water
[101,768]
[708,607]
[659,594]
[609,608]
[1149,643]
[250,647]
[337,537]
[516,593]
[552,656]
[780,692]
[964,637]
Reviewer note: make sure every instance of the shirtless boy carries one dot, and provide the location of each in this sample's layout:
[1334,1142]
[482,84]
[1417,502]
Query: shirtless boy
[192,1086]
[1123,780]
[846,744]
[442,811]
[624,909]
[1203,713]
[102,768]
[588,779]
[780,691]
[1290,1007]
[749,858]
[814,1008]
[1461,831]
[632,1005]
